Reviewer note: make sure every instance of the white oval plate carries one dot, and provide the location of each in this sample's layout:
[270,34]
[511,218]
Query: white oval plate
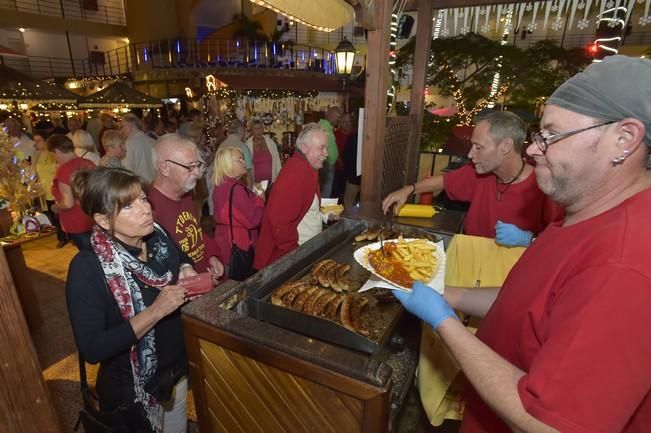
[438,278]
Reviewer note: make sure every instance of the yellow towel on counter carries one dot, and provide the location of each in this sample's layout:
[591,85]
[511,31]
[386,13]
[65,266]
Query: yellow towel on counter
[417,210]
[468,259]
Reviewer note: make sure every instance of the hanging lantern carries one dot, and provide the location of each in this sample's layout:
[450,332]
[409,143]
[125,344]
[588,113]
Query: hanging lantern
[344,55]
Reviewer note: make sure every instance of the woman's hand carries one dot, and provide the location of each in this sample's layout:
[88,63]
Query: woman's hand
[169,300]
[216,268]
[186,270]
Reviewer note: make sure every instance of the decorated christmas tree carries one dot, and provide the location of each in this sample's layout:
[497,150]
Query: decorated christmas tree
[19,186]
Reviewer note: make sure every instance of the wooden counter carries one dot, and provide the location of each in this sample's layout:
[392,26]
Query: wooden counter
[22,277]
[252,376]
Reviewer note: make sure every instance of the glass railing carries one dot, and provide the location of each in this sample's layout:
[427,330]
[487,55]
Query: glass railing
[101,11]
[180,53]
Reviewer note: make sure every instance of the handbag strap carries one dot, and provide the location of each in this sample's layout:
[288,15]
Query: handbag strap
[230,215]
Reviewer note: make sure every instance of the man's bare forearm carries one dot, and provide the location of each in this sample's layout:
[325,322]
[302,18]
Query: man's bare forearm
[475,302]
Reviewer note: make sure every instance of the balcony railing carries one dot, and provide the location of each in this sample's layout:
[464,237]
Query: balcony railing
[100,11]
[170,54]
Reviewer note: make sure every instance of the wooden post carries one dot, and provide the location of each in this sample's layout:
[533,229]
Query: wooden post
[419,78]
[25,403]
[375,101]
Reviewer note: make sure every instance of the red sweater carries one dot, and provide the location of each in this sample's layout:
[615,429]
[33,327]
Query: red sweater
[290,199]
[247,214]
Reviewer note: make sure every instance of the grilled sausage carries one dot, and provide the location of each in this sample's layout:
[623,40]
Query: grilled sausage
[324,272]
[372,233]
[333,307]
[342,282]
[288,300]
[321,304]
[277,295]
[304,296]
[345,313]
[356,315]
[316,269]
[308,307]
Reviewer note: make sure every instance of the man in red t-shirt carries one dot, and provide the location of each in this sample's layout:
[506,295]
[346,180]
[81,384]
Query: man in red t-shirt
[505,202]
[73,220]
[177,166]
[563,345]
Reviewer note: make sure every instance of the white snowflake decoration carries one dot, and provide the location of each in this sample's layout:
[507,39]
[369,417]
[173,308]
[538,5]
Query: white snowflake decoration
[529,7]
[612,24]
[554,8]
[445,33]
[482,11]
[505,11]
[645,20]
[532,27]
[581,5]
[464,30]
[610,4]
[582,24]
[557,24]
[485,28]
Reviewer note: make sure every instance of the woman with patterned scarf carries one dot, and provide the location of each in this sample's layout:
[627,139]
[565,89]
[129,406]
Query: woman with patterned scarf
[124,304]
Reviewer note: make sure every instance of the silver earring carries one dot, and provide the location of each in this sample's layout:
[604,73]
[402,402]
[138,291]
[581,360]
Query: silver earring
[620,159]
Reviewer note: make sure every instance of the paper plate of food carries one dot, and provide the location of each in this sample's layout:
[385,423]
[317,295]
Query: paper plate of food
[405,261]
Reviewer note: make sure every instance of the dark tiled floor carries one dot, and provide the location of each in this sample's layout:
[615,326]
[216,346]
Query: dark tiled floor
[57,354]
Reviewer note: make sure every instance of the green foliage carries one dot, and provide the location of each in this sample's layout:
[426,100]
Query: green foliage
[530,74]
[435,131]
[546,66]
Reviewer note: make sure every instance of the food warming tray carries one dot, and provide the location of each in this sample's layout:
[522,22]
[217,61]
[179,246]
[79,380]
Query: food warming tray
[337,243]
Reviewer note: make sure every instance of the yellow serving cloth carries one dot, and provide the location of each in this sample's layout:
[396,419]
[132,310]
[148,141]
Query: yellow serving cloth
[417,210]
[336,209]
[468,259]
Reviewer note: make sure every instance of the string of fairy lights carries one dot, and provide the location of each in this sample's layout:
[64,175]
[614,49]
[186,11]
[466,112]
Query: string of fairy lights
[398,7]
[229,97]
[466,116]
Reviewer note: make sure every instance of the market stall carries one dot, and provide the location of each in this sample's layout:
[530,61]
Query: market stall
[258,367]
[119,97]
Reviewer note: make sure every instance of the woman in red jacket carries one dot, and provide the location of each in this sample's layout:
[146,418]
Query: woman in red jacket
[247,208]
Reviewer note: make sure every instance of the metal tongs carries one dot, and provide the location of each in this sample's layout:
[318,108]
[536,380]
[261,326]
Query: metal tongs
[388,218]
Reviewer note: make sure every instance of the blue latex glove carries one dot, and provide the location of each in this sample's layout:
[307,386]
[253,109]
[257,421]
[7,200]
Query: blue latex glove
[510,235]
[426,304]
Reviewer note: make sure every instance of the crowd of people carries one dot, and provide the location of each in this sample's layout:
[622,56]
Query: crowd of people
[567,323]
[146,206]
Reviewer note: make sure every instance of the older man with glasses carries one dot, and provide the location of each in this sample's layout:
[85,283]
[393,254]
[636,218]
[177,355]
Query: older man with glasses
[563,345]
[177,165]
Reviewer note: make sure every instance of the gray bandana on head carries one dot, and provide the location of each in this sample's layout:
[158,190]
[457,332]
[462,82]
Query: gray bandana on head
[617,88]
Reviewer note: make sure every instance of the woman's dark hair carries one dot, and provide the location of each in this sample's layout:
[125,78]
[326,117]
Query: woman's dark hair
[106,191]
[61,143]
[42,133]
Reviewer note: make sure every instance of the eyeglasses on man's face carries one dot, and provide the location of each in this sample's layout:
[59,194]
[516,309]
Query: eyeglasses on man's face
[543,142]
[198,166]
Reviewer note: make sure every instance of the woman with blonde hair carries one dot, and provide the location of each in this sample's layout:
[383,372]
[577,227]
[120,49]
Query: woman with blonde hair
[237,211]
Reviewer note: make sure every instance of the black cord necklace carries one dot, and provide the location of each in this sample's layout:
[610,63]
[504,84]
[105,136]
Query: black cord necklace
[498,182]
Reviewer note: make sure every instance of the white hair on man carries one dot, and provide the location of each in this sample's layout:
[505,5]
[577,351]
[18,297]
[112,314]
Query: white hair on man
[305,137]
[168,142]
